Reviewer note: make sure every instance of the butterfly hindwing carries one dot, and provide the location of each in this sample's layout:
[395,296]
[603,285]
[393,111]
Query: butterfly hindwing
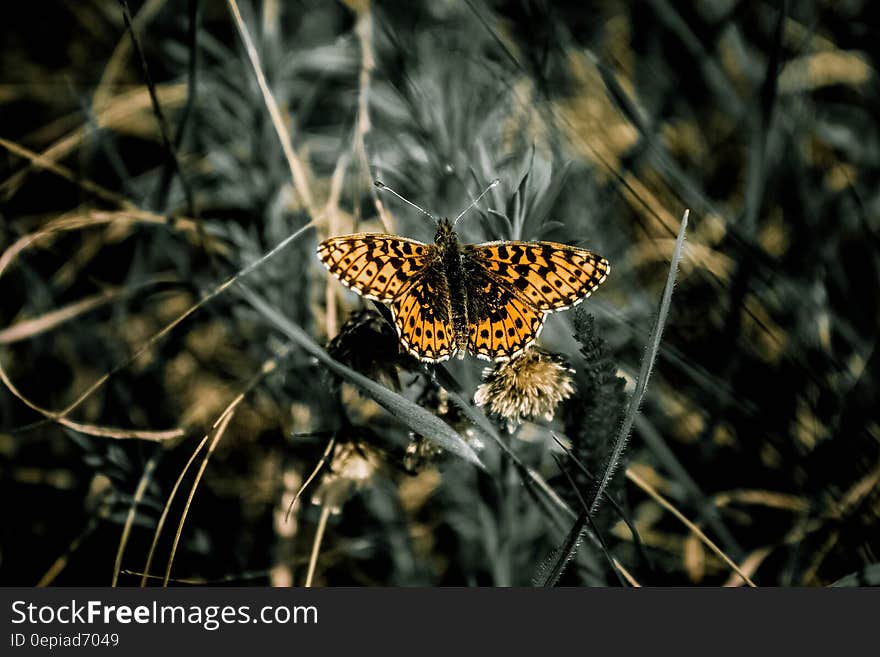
[501,324]
[546,275]
[378,266]
[423,319]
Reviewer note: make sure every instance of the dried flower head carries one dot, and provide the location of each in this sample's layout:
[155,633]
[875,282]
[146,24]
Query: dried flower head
[352,466]
[369,345]
[528,387]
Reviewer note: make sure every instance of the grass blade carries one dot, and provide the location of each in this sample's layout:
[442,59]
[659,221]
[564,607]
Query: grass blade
[647,366]
[550,573]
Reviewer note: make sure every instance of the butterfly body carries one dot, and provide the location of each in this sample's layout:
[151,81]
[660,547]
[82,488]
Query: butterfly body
[449,250]
[449,299]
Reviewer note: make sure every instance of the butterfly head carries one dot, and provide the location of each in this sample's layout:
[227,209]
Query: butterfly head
[445,235]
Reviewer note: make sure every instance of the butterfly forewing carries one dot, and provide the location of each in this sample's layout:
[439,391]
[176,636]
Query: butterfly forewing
[377,266]
[546,275]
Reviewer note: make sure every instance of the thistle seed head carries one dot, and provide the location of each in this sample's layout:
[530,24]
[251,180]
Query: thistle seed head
[525,388]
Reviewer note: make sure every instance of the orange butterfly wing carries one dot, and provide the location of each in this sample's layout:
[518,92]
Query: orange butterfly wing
[513,285]
[507,334]
[377,266]
[423,318]
[545,275]
[402,272]
[502,325]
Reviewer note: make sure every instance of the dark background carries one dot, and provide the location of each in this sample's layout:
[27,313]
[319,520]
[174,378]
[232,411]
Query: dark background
[760,421]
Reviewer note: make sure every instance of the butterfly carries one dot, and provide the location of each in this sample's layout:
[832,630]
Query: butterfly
[448,298]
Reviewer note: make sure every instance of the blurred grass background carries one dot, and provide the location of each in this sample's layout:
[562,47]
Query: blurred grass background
[603,120]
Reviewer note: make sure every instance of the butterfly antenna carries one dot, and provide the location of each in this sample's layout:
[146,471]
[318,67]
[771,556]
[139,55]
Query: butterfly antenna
[476,200]
[380,185]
